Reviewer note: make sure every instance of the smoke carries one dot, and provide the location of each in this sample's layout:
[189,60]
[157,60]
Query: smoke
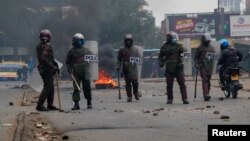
[105,21]
[106,59]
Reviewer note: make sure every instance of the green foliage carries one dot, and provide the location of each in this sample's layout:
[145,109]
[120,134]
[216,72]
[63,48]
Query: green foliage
[104,20]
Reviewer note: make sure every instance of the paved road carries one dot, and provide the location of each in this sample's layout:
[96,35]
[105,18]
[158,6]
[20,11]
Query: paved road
[9,113]
[174,122]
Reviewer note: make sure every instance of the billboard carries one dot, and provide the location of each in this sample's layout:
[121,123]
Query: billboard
[194,26]
[240,26]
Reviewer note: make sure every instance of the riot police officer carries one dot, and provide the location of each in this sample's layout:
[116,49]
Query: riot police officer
[170,55]
[76,66]
[130,59]
[205,64]
[47,68]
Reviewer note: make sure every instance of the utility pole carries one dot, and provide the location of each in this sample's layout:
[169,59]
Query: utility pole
[219,21]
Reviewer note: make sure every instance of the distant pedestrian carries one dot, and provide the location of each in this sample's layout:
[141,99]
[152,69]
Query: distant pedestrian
[24,73]
[154,70]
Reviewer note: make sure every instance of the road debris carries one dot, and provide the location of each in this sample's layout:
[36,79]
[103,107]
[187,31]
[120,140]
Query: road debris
[145,111]
[216,112]
[7,125]
[208,106]
[221,99]
[225,117]
[65,137]
[11,103]
[118,111]
[155,114]
[158,110]
[38,125]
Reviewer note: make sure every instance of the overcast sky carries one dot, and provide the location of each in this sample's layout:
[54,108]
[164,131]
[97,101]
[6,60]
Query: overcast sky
[161,7]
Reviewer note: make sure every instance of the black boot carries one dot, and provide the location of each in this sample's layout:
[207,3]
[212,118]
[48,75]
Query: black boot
[76,106]
[207,98]
[41,108]
[137,96]
[185,102]
[170,102]
[129,99]
[51,107]
[89,104]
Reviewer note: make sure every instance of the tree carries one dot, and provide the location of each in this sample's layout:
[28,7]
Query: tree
[106,21]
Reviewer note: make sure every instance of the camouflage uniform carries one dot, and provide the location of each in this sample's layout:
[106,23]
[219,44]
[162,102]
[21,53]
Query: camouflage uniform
[171,56]
[124,55]
[76,65]
[47,68]
[204,65]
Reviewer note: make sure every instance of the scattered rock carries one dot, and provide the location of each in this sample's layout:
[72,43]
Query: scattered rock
[7,125]
[38,125]
[199,108]
[153,95]
[66,111]
[216,112]
[11,103]
[34,101]
[42,138]
[213,106]
[155,114]
[224,117]
[221,98]
[55,137]
[118,111]
[159,109]
[48,132]
[208,106]
[249,98]
[101,101]
[65,137]
[146,111]
[72,123]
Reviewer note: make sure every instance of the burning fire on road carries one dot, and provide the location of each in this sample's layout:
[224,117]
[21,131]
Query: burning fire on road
[105,81]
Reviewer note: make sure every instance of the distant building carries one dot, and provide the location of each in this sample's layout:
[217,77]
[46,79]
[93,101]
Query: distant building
[247,6]
[233,5]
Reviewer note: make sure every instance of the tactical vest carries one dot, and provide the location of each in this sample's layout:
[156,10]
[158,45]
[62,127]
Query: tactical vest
[172,54]
[125,57]
[207,58]
[46,51]
[77,56]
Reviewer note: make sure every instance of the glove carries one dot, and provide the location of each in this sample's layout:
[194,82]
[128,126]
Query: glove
[118,66]
[218,68]
[56,69]
[197,66]
[161,64]
[70,71]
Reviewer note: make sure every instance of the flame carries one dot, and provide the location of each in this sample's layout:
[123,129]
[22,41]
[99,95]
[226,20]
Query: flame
[105,78]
